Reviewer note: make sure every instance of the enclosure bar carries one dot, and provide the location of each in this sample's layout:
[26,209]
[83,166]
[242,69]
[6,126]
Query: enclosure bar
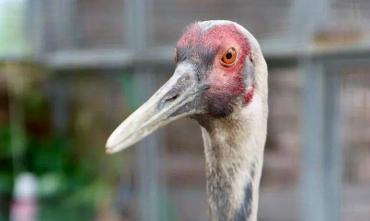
[35,27]
[162,56]
[322,153]
[312,192]
[333,145]
[147,151]
[306,17]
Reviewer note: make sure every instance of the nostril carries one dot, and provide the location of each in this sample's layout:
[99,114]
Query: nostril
[171,98]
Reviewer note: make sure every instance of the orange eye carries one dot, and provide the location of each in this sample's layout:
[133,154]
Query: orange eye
[229,57]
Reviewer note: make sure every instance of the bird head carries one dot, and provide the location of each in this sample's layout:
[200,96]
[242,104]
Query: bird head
[215,75]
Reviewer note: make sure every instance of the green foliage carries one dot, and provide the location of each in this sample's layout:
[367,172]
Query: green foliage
[65,184]
[6,175]
[67,166]
[5,151]
[127,82]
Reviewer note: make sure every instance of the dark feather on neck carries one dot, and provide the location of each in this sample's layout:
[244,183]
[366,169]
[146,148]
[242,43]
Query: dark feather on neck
[245,210]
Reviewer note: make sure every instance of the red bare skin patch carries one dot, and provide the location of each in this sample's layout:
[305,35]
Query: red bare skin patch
[228,79]
[226,82]
[248,96]
[191,37]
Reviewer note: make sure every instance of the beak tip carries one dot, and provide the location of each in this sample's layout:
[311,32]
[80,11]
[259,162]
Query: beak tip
[110,146]
[109,150]
[113,145]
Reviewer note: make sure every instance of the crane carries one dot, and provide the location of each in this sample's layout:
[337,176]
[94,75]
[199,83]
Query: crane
[220,81]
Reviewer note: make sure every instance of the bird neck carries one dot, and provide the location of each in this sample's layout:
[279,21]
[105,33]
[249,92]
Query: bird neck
[234,157]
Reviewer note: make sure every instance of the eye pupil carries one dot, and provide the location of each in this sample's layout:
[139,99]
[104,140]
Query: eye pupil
[229,57]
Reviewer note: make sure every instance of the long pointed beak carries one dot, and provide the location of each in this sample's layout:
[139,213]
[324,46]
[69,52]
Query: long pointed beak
[175,99]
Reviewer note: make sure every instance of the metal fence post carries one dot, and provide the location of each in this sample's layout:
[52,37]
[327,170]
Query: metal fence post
[312,200]
[147,155]
[333,150]
[321,153]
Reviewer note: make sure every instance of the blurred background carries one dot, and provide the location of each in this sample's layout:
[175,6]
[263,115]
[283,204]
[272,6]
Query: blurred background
[72,70]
